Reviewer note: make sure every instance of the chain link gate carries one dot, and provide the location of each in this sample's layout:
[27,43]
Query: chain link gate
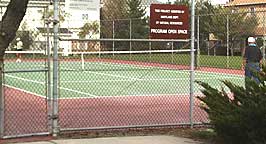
[25,95]
[25,99]
[115,76]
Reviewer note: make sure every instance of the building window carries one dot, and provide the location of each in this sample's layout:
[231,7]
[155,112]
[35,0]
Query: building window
[252,10]
[234,10]
[85,16]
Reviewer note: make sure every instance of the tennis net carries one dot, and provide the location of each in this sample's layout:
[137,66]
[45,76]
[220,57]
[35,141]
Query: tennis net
[100,60]
[22,61]
[125,60]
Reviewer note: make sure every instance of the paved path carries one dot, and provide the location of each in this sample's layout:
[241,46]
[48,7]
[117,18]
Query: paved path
[123,140]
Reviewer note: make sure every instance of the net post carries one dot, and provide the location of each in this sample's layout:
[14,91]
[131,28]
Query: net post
[192,72]
[99,51]
[82,61]
[172,46]
[150,47]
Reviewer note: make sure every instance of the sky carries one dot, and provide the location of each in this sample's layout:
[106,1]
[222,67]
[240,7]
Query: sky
[212,1]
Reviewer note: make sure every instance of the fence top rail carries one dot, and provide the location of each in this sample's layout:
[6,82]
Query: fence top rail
[26,52]
[129,40]
[129,52]
[229,13]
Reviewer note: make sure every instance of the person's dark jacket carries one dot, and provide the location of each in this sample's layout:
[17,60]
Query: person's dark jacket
[252,54]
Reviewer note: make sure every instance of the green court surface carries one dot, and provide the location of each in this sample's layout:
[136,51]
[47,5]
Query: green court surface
[108,79]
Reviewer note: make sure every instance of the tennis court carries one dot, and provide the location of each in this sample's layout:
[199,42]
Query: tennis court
[113,78]
[98,90]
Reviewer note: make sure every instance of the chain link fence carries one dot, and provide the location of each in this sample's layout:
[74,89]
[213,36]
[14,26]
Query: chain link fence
[25,82]
[224,37]
[108,89]
[111,75]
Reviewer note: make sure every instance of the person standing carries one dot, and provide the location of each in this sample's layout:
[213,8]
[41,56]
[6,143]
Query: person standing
[19,47]
[252,60]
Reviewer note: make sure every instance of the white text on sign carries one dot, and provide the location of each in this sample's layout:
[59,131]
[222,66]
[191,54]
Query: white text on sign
[168,31]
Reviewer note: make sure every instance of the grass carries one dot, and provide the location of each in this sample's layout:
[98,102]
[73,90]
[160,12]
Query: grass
[233,62]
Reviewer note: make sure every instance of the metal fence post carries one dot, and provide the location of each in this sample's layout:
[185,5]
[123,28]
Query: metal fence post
[264,36]
[48,73]
[192,72]
[2,99]
[130,37]
[198,41]
[55,69]
[227,40]
[113,37]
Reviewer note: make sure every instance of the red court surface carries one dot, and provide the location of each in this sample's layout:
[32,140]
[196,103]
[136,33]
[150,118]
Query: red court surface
[27,114]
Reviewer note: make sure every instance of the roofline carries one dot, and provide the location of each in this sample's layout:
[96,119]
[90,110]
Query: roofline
[32,4]
[245,4]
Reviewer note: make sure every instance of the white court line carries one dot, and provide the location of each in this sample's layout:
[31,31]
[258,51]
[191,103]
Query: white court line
[24,91]
[91,96]
[79,92]
[113,75]
[213,74]
[75,91]
[130,80]
[122,80]
[42,83]
[23,79]
[137,95]
[205,73]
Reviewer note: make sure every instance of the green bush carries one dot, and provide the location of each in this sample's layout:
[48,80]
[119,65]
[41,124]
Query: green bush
[239,117]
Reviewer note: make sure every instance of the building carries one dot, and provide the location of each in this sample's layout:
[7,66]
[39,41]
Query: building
[74,14]
[146,4]
[256,7]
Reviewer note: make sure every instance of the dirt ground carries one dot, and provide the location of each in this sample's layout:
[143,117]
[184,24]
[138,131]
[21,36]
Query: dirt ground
[203,134]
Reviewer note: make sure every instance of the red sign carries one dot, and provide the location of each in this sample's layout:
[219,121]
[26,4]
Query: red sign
[169,21]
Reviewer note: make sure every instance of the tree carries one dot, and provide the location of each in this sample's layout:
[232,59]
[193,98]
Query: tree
[241,25]
[112,12]
[48,14]
[182,2]
[204,9]
[27,36]
[238,116]
[90,29]
[10,23]
[136,13]
[213,20]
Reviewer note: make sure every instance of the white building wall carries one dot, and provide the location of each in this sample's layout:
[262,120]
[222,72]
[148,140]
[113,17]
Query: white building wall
[80,12]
